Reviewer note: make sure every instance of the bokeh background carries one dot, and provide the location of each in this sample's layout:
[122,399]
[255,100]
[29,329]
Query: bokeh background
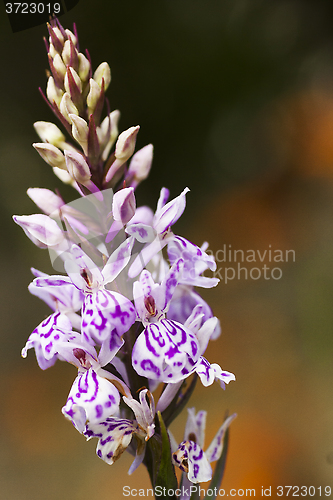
[237,98]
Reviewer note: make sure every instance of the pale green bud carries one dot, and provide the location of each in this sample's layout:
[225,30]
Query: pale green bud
[52,155]
[80,131]
[64,176]
[58,34]
[67,107]
[93,96]
[72,37]
[66,52]
[49,132]
[103,71]
[52,50]
[76,79]
[102,132]
[77,167]
[53,92]
[126,144]
[84,67]
[59,65]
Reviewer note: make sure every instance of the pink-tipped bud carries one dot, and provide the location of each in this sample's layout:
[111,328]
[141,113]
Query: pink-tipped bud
[77,167]
[123,205]
[126,144]
[49,132]
[103,71]
[53,92]
[67,107]
[76,78]
[140,165]
[52,155]
[80,131]
[84,67]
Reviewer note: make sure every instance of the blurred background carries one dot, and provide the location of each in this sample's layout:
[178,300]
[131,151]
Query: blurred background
[237,98]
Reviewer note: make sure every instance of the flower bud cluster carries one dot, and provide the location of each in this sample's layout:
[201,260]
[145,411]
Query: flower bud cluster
[76,94]
[127,317]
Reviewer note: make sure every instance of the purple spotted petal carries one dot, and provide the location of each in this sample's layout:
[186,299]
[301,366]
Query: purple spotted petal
[215,449]
[196,261]
[165,351]
[45,339]
[105,311]
[91,398]
[114,435]
[190,458]
[209,372]
[65,297]
[141,232]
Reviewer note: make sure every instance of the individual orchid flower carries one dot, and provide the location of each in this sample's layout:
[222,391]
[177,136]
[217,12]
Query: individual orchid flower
[158,234]
[196,262]
[94,395]
[115,434]
[106,315]
[189,456]
[204,330]
[166,350]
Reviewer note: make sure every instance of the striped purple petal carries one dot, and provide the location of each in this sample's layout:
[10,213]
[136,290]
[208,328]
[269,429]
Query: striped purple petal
[91,398]
[165,351]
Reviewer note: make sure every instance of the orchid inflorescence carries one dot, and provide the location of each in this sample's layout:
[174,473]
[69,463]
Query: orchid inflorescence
[126,311]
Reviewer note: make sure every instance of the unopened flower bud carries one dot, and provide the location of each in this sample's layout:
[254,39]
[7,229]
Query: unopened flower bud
[123,205]
[41,229]
[93,96]
[72,37]
[64,176]
[103,71]
[53,92]
[84,67]
[77,167]
[52,50]
[80,131]
[108,132]
[140,165]
[59,65]
[45,199]
[52,155]
[66,53]
[56,37]
[49,132]
[126,144]
[67,107]
[76,79]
